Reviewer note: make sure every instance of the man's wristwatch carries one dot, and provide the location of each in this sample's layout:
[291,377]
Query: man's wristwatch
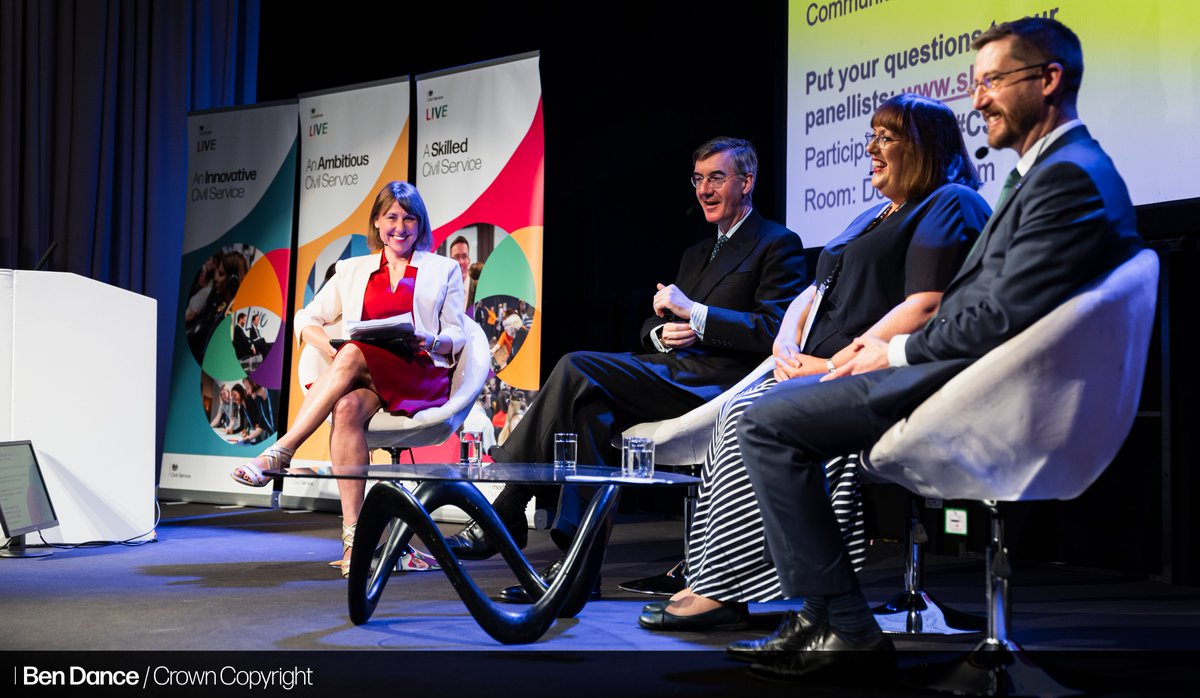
[437,342]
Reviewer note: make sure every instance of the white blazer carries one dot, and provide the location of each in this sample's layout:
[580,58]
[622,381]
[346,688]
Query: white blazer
[438,299]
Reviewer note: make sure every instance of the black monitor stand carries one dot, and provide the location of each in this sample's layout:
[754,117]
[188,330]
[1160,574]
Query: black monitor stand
[25,505]
[16,548]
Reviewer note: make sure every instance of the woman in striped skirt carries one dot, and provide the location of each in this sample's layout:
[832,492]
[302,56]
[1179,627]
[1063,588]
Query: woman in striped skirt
[883,276]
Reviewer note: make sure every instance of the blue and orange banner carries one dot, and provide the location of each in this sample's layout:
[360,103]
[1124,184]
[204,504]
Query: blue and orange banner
[353,140]
[228,364]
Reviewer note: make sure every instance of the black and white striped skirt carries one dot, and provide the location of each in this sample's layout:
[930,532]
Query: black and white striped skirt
[726,548]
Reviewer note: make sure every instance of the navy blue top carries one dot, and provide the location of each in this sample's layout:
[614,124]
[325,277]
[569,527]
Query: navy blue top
[918,248]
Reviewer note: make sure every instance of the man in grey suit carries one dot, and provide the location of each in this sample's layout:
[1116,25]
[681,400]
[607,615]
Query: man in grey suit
[1064,218]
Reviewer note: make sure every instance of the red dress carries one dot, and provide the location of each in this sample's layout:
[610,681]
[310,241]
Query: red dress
[406,384]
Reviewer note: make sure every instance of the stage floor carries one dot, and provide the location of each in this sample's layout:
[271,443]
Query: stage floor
[237,580]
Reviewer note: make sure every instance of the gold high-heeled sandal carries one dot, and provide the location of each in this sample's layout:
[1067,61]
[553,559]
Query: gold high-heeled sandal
[412,560]
[275,458]
[347,546]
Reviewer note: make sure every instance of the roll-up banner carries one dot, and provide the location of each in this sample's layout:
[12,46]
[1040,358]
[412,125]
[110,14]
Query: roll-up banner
[229,346]
[353,140]
[845,57]
[480,163]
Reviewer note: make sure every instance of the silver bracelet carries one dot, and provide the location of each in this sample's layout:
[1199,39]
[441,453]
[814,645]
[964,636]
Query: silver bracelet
[829,367]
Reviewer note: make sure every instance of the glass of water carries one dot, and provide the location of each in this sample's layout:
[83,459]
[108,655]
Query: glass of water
[637,457]
[470,448]
[566,445]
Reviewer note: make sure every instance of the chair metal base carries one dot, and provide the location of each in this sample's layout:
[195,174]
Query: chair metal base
[673,580]
[913,611]
[997,666]
[668,583]
[991,669]
[396,451]
[564,598]
[918,613]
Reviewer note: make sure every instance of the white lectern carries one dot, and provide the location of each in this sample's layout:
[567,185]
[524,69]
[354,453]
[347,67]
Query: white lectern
[77,375]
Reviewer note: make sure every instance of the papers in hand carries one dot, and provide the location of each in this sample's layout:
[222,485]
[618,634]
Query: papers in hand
[395,327]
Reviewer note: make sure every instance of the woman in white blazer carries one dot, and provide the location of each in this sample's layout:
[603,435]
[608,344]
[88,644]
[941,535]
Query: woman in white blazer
[363,378]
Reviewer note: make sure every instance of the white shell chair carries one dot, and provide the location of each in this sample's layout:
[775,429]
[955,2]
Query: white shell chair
[427,427]
[1039,417]
[683,440]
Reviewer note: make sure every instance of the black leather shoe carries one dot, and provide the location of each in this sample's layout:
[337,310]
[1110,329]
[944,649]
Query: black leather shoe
[472,543]
[724,617]
[668,583]
[827,655]
[792,634]
[656,606]
[517,594]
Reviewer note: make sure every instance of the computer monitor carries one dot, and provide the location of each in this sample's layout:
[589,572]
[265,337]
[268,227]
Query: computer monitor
[25,504]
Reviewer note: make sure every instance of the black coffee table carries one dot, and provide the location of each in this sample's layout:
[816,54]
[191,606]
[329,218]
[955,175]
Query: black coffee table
[452,484]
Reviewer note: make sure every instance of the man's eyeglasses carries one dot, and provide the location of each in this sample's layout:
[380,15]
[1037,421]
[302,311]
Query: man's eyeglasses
[991,82]
[715,179]
[881,140]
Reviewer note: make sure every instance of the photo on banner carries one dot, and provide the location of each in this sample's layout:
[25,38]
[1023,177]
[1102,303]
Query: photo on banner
[1139,92]
[480,165]
[228,364]
[353,141]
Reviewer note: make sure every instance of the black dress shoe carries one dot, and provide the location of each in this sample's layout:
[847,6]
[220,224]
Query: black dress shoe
[472,543]
[668,583]
[792,634]
[724,617]
[517,594]
[827,655]
[656,606]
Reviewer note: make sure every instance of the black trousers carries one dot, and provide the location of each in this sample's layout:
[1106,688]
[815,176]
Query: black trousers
[598,395]
[785,437]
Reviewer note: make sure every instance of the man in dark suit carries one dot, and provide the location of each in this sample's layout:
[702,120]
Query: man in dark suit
[1067,220]
[258,343]
[242,347]
[710,328]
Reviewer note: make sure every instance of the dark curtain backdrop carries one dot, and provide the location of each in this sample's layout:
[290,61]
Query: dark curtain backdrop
[629,90]
[94,96]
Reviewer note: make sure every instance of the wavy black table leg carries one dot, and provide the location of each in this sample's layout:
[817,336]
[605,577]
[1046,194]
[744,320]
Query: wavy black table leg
[388,501]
